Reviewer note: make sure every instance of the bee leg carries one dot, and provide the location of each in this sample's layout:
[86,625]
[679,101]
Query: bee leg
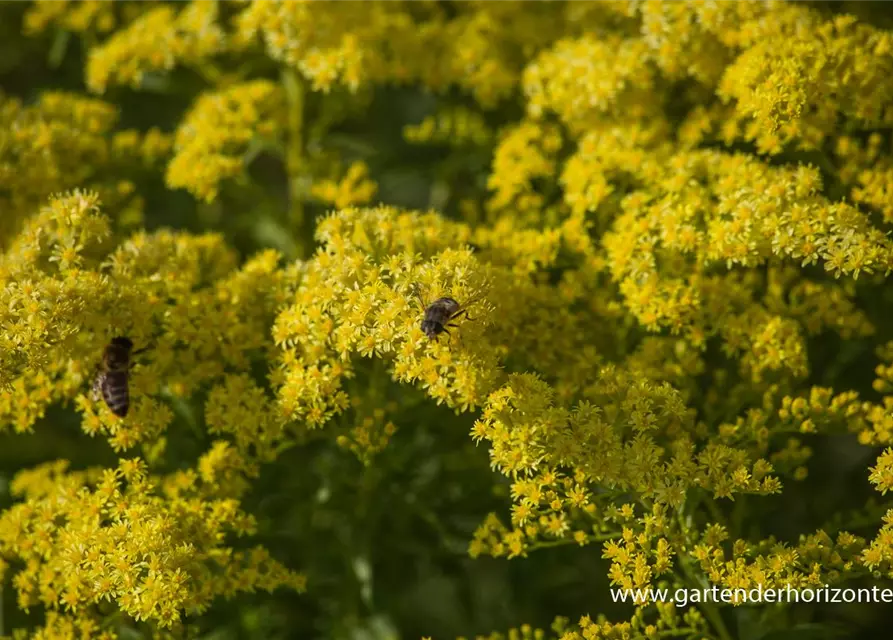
[451,335]
[463,312]
[134,353]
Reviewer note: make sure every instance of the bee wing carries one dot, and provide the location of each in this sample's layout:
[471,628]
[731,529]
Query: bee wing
[417,294]
[96,390]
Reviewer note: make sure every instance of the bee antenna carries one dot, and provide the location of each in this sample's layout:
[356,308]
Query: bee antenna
[473,300]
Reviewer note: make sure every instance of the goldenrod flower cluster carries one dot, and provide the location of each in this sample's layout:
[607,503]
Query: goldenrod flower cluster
[222,128]
[455,127]
[596,289]
[105,535]
[63,141]
[156,41]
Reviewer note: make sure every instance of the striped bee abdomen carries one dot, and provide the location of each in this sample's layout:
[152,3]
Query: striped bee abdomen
[112,382]
[115,392]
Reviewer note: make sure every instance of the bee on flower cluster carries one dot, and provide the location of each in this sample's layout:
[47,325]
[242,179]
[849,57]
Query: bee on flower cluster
[443,313]
[113,380]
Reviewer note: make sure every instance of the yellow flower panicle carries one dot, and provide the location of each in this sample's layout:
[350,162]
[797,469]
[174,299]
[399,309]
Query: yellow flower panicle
[525,153]
[867,171]
[73,16]
[761,213]
[210,315]
[455,126]
[878,556]
[370,434]
[338,45]
[818,559]
[85,538]
[221,130]
[792,89]
[584,79]
[364,294]
[330,44]
[632,435]
[44,295]
[63,141]
[155,558]
[354,188]
[239,408]
[156,42]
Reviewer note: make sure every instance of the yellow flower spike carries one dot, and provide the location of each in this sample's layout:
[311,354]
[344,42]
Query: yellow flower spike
[140,549]
[772,82]
[354,188]
[73,16]
[456,126]
[607,72]
[524,153]
[61,141]
[156,41]
[212,142]
[378,311]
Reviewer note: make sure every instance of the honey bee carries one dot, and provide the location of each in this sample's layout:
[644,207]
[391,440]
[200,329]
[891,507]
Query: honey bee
[113,379]
[441,314]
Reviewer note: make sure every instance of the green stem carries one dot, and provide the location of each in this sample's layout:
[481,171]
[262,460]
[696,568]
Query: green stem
[710,610]
[715,513]
[209,73]
[684,631]
[294,157]
[561,542]
[58,48]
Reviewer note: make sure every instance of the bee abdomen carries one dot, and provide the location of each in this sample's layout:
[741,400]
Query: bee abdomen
[115,392]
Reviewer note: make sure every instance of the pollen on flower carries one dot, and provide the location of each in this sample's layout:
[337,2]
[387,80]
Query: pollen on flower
[212,143]
[155,42]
